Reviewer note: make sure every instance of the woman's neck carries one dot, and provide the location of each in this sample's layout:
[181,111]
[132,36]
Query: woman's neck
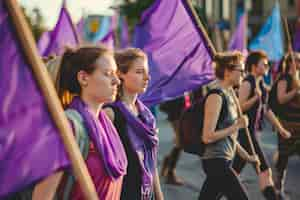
[129,98]
[93,107]
[225,84]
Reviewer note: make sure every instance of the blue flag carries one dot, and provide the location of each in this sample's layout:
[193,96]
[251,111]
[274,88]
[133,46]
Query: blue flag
[270,37]
[30,146]
[179,57]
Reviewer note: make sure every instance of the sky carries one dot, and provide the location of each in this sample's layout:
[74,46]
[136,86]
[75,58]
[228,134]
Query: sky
[50,8]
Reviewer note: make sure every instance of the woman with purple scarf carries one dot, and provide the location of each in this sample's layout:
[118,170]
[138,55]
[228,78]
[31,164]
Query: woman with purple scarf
[89,74]
[136,127]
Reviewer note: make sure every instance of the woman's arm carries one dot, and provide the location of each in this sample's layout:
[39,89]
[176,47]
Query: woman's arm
[275,122]
[213,106]
[283,96]
[46,189]
[245,155]
[157,188]
[244,93]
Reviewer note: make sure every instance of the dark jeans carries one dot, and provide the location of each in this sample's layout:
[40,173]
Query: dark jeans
[221,180]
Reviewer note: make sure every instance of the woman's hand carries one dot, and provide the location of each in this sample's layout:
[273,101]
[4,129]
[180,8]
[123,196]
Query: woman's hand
[253,159]
[284,133]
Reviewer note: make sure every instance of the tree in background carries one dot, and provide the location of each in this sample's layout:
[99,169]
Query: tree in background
[36,21]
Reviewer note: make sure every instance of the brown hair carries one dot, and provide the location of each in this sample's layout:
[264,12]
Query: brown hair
[73,61]
[226,60]
[124,59]
[253,58]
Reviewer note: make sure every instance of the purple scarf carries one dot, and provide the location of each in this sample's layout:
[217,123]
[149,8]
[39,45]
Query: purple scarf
[144,141]
[105,139]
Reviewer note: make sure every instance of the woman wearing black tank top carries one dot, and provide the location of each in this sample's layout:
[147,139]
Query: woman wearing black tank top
[286,101]
[252,97]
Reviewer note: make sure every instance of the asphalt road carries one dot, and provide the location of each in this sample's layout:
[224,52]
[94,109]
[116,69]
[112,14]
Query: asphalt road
[189,168]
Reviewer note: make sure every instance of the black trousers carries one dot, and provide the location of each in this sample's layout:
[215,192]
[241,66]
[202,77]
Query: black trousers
[221,180]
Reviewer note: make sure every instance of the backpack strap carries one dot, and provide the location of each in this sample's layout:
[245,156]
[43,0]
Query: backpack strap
[82,139]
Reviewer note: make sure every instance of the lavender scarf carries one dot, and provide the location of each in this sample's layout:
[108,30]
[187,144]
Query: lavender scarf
[144,140]
[105,139]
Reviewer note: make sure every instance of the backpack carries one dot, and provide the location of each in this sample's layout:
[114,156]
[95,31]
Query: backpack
[191,124]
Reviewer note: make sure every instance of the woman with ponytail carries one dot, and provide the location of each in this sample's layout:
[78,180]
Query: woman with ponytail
[85,81]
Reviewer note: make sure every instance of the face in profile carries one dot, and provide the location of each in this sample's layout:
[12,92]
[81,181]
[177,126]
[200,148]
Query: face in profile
[262,67]
[237,73]
[136,79]
[101,84]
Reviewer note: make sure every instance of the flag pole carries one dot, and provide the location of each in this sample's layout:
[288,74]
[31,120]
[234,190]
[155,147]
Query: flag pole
[240,113]
[41,75]
[290,51]
[200,27]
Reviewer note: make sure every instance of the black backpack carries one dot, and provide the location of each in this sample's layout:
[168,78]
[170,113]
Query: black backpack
[191,124]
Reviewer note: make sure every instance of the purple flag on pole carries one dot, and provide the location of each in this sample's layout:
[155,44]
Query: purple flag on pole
[64,34]
[238,40]
[179,57]
[124,39]
[30,146]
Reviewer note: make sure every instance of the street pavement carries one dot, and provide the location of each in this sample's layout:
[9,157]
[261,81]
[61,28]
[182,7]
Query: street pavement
[189,168]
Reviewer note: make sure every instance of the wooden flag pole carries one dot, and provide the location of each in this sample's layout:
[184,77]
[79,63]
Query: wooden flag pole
[201,28]
[39,70]
[290,51]
[240,113]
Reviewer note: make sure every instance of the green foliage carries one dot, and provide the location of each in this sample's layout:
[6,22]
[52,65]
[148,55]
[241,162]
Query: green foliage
[35,21]
[133,11]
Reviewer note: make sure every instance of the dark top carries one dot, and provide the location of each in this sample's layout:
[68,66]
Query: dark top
[131,188]
[255,113]
[289,111]
[173,108]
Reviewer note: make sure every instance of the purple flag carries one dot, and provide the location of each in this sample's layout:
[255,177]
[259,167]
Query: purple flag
[44,41]
[30,146]
[64,34]
[238,40]
[124,39]
[296,42]
[179,57]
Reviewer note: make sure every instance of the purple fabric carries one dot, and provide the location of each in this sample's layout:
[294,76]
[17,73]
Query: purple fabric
[108,40]
[124,40]
[30,145]
[296,42]
[80,28]
[238,40]
[64,34]
[179,57]
[143,138]
[44,41]
[105,138]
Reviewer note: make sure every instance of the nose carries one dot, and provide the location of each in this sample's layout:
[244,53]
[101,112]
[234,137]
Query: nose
[116,80]
[146,77]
